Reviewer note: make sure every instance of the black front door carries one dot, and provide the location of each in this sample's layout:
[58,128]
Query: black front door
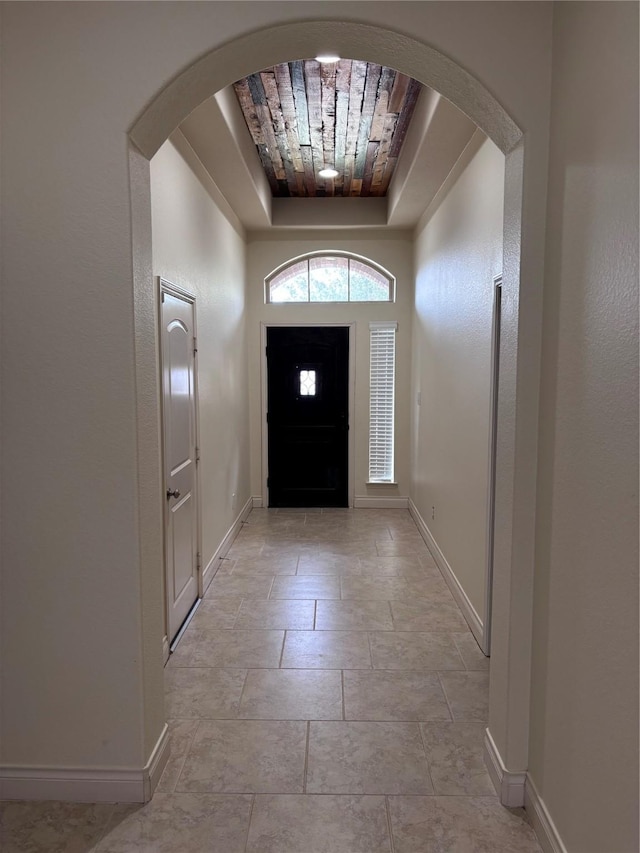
[307,414]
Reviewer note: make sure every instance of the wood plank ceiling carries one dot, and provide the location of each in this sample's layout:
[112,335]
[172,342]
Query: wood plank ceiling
[304,116]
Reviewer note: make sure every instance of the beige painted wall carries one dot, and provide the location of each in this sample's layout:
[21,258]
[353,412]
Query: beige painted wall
[81,597]
[198,248]
[584,719]
[393,252]
[457,255]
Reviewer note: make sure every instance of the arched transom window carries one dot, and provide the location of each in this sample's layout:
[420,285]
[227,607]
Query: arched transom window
[330,277]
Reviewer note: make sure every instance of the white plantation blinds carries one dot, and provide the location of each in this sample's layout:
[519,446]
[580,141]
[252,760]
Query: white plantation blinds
[381,401]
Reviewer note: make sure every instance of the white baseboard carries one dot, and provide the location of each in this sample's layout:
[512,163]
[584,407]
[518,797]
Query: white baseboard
[462,599]
[366,502]
[257,502]
[221,551]
[509,785]
[165,648]
[87,785]
[541,820]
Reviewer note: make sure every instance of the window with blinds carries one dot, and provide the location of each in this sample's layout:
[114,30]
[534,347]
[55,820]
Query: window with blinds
[381,401]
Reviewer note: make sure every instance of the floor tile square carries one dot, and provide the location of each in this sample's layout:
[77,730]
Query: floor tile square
[190,823]
[455,752]
[285,565]
[213,613]
[467,694]
[228,648]
[472,655]
[394,696]
[427,615]
[460,824]
[246,756]
[200,693]
[51,827]
[414,650]
[378,588]
[292,694]
[181,734]
[367,758]
[306,587]
[326,650]
[326,564]
[240,586]
[353,616]
[318,824]
[276,614]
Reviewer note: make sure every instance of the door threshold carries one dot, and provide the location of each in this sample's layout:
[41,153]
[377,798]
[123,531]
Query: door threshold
[184,626]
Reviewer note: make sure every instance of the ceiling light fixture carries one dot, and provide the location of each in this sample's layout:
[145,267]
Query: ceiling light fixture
[327,57]
[328,173]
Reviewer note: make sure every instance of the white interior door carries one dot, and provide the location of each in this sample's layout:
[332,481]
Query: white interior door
[179,421]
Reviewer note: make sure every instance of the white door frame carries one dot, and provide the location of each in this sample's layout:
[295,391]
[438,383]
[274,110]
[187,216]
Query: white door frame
[491,478]
[165,286]
[352,402]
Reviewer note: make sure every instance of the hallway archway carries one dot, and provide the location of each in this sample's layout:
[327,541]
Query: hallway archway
[517,405]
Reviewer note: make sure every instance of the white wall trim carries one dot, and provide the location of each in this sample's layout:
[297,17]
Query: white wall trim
[541,820]
[365,501]
[509,785]
[87,785]
[257,501]
[221,551]
[462,599]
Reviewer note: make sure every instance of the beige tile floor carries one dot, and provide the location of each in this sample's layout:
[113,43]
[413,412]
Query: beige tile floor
[327,697]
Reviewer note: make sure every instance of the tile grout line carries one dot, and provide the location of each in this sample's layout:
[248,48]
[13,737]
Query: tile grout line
[306,758]
[284,640]
[368,633]
[315,613]
[444,693]
[244,684]
[246,843]
[426,758]
[389,828]
[455,643]
[186,755]
[344,717]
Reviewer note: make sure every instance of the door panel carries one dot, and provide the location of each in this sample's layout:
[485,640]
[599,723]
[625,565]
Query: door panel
[308,382]
[179,424]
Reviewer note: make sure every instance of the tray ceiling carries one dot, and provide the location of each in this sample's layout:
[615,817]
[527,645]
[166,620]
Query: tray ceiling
[305,116]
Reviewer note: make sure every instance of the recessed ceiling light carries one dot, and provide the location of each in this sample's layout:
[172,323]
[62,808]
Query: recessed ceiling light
[327,57]
[328,173]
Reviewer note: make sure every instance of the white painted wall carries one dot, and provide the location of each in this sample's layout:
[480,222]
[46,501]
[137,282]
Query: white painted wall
[393,252]
[457,254]
[198,245]
[584,716]
[82,613]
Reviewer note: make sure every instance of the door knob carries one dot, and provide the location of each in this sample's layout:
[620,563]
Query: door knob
[173,493]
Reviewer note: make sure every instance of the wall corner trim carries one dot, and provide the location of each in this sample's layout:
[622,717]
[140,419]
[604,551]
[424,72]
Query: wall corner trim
[221,551]
[509,785]
[367,502]
[462,599]
[542,822]
[87,784]
[257,502]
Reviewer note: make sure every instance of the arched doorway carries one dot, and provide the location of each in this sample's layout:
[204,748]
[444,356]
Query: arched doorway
[517,404]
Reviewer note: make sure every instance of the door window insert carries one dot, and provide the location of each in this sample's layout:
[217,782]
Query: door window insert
[307,383]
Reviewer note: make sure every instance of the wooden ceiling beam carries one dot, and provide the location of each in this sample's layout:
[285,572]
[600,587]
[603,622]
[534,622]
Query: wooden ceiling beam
[366,117]
[314,106]
[343,82]
[351,115]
